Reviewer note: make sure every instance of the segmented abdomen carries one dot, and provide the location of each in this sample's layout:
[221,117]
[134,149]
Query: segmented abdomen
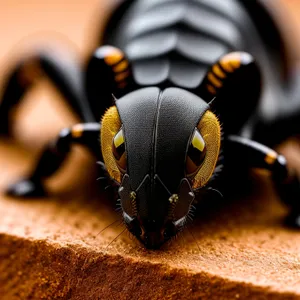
[173,42]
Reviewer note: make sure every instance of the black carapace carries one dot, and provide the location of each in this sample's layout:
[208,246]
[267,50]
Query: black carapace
[175,97]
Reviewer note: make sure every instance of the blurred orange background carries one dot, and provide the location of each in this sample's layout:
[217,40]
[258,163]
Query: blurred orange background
[25,23]
[75,20]
[78,24]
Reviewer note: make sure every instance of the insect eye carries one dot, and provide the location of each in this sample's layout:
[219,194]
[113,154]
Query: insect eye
[196,154]
[118,149]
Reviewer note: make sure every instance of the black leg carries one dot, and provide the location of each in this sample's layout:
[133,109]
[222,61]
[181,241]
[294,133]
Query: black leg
[234,82]
[108,74]
[282,121]
[54,155]
[256,155]
[60,68]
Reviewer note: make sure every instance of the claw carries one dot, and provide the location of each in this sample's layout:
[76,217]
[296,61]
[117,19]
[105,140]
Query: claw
[26,188]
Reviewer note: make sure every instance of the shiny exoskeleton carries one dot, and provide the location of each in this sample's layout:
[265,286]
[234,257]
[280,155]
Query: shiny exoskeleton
[183,90]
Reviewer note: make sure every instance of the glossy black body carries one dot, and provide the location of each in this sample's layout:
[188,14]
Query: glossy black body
[173,44]
[171,47]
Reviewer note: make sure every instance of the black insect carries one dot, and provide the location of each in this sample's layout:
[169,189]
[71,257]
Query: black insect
[178,103]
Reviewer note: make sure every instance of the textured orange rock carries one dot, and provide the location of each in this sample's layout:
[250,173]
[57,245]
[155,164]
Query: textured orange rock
[52,247]
[56,248]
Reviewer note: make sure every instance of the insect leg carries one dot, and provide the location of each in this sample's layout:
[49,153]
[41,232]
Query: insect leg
[286,182]
[283,121]
[235,83]
[54,155]
[63,71]
[108,74]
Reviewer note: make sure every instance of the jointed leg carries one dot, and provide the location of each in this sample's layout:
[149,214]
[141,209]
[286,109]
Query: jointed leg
[256,155]
[54,155]
[235,82]
[62,70]
[108,75]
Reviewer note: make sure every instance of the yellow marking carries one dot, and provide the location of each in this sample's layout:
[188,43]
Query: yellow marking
[29,72]
[114,56]
[77,131]
[231,61]
[174,199]
[132,196]
[213,79]
[210,130]
[122,66]
[111,124]
[211,89]
[198,141]
[133,202]
[119,139]
[271,157]
[218,71]
[226,66]
[121,76]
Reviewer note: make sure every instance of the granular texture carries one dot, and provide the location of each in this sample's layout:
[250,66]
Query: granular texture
[61,248]
[72,244]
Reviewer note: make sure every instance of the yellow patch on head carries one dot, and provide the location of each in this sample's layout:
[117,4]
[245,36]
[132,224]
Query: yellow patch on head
[198,143]
[210,129]
[119,139]
[110,126]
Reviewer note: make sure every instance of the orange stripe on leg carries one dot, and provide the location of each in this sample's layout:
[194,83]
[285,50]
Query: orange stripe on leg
[211,89]
[214,80]
[77,130]
[121,76]
[271,157]
[231,61]
[113,56]
[218,71]
[122,66]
